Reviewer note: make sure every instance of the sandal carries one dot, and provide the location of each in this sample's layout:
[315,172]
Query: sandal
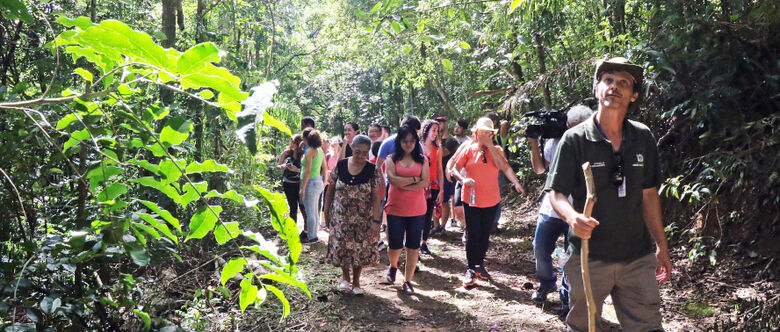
[344,286]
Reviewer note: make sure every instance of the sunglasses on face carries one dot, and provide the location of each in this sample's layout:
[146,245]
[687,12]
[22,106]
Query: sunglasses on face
[617,175]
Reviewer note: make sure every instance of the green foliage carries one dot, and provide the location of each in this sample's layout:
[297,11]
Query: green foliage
[137,179]
[15,9]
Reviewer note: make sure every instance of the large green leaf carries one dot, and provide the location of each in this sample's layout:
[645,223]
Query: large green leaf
[514,5]
[197,56]
[203,221]
[162,213]
[15,9]
[278,205]
[282,298]
[234,196]
[226,231]
[169,170]
[147,229]
[447,64]
[101,174]
[176,131]
[139,255]
[254,110]
[76,138]
[145,318]
[79,22]
[112,191]
[248,294]
[206,166]
[230,269]
[158,225]
[164,188]
[287,279]
[191,192]
[270,120]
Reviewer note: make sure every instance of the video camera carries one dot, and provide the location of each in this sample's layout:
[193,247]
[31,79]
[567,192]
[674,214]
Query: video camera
[550,124]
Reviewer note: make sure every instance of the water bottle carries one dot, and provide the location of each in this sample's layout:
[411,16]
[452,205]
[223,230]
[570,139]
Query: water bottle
[562,256]
[473,197]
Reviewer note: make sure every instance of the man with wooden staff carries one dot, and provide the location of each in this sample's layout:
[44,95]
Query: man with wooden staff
[626,218]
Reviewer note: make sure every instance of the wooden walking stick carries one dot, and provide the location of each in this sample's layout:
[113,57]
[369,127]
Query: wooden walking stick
[590,200]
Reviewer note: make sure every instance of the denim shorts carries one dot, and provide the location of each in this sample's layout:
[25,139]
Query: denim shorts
[449,190]
[398,226]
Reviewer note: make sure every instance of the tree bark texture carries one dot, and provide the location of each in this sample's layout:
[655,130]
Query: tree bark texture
[169,9]
[543,69]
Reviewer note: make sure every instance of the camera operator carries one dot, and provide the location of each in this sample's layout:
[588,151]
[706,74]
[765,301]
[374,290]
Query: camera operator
[549,225]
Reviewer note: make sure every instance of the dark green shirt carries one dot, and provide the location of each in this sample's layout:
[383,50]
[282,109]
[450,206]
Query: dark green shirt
[622,234]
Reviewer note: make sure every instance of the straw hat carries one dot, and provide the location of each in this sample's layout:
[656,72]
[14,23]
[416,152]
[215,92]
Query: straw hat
[484,124]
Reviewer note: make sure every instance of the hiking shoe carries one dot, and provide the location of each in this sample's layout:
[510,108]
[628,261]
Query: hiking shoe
[424,249]
[540,295]
[407,288]
[381,245]
[453,222]
[482,273]
[357,291]
[464,238]
[470,279]
[307,240]
[384,228]
[391,274]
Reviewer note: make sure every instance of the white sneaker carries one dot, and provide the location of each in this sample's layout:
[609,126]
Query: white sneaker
[357,291]
[344,286]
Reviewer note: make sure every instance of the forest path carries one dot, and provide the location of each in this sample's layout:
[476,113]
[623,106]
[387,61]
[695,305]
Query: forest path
[441,303]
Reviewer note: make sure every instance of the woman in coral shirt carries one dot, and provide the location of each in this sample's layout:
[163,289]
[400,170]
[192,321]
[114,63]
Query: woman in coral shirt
[481,195]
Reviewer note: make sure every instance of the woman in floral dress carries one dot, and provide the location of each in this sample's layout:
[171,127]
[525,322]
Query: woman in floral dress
[352,213]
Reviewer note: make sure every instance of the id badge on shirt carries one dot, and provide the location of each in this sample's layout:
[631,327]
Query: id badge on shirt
[622,188]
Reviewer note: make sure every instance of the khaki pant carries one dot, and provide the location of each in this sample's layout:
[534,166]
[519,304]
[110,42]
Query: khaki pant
[633,288]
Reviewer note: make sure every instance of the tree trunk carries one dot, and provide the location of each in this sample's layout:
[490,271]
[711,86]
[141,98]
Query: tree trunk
[81,214]
[618,17]
[92,4]
[169,8]
[543,70]
[515,69]
[180,15]
[445,97]
[270,55]
[9,56]
[200,21]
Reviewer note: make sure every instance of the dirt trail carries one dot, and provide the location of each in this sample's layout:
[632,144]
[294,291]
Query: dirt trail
[441,303]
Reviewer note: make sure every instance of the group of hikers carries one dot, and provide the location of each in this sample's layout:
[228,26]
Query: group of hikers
[409,184]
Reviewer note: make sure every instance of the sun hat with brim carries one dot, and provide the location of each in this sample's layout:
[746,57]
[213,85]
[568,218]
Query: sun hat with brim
[619,64]
[484,124]
[622,64]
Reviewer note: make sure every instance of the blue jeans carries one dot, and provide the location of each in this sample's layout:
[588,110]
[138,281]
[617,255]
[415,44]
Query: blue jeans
[548,229]
[310,203]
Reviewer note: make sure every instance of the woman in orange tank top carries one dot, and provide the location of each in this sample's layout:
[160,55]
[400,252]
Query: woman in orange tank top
[407,171]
